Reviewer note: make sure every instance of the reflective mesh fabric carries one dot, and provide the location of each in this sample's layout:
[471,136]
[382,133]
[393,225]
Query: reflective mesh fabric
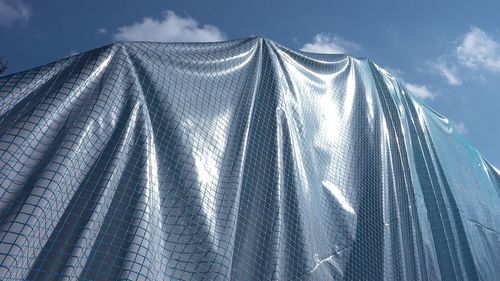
[239,160]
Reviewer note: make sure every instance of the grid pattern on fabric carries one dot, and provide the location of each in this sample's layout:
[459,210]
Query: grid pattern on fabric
[238,160]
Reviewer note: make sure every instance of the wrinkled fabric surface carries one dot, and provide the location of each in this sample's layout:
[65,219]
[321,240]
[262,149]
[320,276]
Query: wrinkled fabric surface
[239,160]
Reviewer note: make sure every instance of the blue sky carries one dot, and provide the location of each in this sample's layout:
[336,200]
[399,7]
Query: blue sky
[447,53]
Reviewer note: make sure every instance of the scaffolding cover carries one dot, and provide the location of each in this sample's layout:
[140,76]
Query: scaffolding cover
[239,160]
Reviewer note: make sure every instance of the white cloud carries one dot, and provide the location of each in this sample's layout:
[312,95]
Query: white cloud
[394,71]
[475,54]
[328,44]
[12,11]
[102,30]
[170,28]
[420,91]
[461,128]
[479,51]
[450,73]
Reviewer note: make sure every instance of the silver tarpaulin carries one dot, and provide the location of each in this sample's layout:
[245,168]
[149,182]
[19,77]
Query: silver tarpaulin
[239,160]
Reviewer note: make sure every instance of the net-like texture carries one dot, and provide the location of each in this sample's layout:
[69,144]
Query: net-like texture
[240,160]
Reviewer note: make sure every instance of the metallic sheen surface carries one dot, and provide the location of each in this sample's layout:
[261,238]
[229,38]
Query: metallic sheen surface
[239,160]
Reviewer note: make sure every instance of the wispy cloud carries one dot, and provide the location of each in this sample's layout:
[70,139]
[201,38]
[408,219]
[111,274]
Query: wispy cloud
[450,73]
[420,91]
[170,28]
[329,44]
[475,54]
[461,128]
[102,30]
[394,71]
[14,11]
